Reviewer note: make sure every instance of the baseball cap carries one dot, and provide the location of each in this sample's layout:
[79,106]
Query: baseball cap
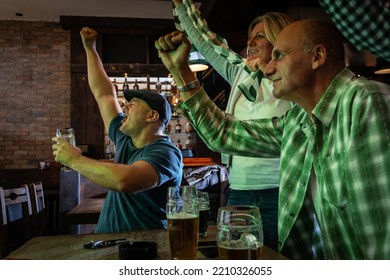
[155,101]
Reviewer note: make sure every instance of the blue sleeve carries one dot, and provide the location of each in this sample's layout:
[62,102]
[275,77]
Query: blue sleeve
[166,160]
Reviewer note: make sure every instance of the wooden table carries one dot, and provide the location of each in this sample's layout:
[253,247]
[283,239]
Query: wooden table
[87,212]
[70,247]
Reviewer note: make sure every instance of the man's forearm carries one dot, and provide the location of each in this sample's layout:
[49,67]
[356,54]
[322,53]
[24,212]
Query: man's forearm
[105,174]
[102,87]
[182,78]
[98,80]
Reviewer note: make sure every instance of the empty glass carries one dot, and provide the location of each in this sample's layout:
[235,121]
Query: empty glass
[239,233]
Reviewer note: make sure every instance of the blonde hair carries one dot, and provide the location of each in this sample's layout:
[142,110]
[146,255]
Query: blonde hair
[274,22]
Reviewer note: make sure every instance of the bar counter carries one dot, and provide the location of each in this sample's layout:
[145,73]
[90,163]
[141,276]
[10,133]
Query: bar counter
[70,247]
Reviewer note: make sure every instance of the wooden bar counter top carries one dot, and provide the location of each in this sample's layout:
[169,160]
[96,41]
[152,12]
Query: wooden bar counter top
[70,247]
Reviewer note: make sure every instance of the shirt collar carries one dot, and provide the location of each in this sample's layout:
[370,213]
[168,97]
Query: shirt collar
[326,108]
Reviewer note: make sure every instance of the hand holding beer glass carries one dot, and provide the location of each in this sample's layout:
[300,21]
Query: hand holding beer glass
[204,213]
[68,135]
[239,233]
[183,222]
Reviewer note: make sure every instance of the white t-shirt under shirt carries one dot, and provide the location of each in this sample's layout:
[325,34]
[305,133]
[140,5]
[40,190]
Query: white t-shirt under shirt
[248,173]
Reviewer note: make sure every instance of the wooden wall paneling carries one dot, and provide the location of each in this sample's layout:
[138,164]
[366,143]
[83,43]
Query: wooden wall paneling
[94,127]
[78,107]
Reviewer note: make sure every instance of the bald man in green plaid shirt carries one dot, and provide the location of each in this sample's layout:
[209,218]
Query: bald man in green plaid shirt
[334,143]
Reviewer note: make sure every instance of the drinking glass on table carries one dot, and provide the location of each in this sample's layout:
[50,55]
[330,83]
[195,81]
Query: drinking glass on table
[67,134]
[204,213]
[183,222]
[239,233]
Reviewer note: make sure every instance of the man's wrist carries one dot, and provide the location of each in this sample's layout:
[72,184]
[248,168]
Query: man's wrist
[189,86]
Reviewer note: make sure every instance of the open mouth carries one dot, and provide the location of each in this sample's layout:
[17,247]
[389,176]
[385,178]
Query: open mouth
[251,52]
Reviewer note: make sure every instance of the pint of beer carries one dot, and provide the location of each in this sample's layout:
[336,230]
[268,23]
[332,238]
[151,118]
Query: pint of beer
[183,222]
[204,213]
[239,233]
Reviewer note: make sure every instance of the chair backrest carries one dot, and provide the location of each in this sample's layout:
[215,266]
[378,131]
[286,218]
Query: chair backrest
[38,209]
[16,215]
[3,223]
[3,214]
[17,197]
[37,197]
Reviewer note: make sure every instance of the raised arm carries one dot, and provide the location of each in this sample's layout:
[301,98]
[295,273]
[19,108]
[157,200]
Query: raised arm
[174,50]
[219,131]
[177,2]
[205,40]
[101,86]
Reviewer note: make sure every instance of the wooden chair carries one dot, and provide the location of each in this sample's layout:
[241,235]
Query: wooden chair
[39,217]
[3,223]
[15,227]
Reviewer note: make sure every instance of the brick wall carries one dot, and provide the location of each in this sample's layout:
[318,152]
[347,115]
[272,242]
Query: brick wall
[34,90]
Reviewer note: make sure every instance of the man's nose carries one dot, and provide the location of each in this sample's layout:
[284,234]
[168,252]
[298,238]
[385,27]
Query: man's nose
[269,69]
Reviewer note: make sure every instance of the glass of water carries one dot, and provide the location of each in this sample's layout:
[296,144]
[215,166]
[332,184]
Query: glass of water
[66,133]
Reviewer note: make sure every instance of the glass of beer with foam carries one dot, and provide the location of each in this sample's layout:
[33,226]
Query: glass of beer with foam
[183,222]
[204,213]
[239,233]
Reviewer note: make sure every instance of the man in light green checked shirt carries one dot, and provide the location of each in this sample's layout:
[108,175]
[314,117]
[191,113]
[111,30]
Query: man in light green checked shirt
[334,143]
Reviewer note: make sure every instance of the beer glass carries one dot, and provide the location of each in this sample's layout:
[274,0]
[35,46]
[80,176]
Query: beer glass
[239,233]
[67,134]
[204,213]
[183,222]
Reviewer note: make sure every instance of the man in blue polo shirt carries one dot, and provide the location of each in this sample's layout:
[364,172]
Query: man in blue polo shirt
[146,161]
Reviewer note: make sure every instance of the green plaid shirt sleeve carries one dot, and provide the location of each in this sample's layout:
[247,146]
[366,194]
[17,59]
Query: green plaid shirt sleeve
[348,148]
[188,10]
[366,24]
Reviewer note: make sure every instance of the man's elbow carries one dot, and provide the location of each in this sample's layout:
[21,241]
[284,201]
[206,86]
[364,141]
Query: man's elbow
[131,186]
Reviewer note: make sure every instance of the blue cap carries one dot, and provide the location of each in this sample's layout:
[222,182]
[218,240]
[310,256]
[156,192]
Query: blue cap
[155,101]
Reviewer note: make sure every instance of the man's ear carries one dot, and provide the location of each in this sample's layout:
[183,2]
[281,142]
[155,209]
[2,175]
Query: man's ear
[153,116]
[319,56]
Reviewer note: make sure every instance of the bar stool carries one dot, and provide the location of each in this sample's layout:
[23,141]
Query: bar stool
[16,213]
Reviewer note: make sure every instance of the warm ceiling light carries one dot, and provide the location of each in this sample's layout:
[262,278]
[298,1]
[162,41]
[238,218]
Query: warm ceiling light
[198,67]
[382,71]
[382,67]
[197,61]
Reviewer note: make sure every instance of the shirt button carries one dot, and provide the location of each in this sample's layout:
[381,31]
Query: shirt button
[292,215]
[303,183]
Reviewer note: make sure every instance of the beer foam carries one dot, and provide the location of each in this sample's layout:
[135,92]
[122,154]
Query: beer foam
[182,215]
[239,244]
